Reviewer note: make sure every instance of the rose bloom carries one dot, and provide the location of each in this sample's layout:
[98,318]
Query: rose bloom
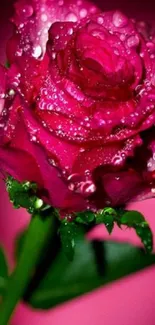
[78,105]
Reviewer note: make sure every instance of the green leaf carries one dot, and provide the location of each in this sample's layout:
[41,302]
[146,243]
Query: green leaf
[110,227]
[69,232]
[132,218]
[106,216]
[85,217]
[137,221]
[23,195]
[64,280]
[3,271]
[146,237]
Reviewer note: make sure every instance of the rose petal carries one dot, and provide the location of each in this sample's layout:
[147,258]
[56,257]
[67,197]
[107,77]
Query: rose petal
[33,19]
[3,74]
[32,165]
[121,187]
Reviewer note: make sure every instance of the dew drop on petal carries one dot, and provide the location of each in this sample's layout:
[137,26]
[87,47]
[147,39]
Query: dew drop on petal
[119,20]
[33,138]
[152,56]
[71,17]
[70,31]
[21,25]
[100,20]
[82,150]
[11,92]
[2,96]
[37,51]
[60,3]
[117,178]
[25,12]
[52,162]
[19,52]
[88,188]
[54,55]
[133,41]
[93,10]
[117,160]
[44,17]
[83,13]
[151,47]
[153,80]
[73,177]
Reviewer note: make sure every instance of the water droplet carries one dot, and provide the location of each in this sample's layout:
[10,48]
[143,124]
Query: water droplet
[153,80]
[53,55]
[72,187]
[122,37]
[25,11]
[93,10]
[39,203]
[150,46]
[60,3]
[44,17]
[45,31]
[141,54]
[37,51]
[71,17]
[133,41]
[83,13]
[117,160]
[75,182]
[19,52]
[52,162]
[2,96]
[33,138]
[21,25]
[87,173]
[11,92]
[100,20]
[70,31]
[153,190]
[88,188]
[119,20]
[117,178]
[152,56]
[82,150]
[73,177]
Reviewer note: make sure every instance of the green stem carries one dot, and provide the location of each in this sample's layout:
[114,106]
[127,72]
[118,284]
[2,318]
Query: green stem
[37,235]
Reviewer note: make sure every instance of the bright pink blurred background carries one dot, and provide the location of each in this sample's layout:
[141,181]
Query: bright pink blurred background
[129,301]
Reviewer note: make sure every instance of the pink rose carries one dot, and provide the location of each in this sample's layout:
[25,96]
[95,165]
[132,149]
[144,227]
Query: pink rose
[78,118]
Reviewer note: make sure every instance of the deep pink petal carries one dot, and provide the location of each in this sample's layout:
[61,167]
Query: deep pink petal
[121,187]
[33,19]
[3,77]
[19,164]
[25,160]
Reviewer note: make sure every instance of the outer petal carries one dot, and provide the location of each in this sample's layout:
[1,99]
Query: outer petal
[25,160]
[22,168]
[2,86]
[121,187]
[135,181]
[33,19]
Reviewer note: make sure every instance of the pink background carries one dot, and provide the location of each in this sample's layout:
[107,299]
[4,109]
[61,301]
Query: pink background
[129,301]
